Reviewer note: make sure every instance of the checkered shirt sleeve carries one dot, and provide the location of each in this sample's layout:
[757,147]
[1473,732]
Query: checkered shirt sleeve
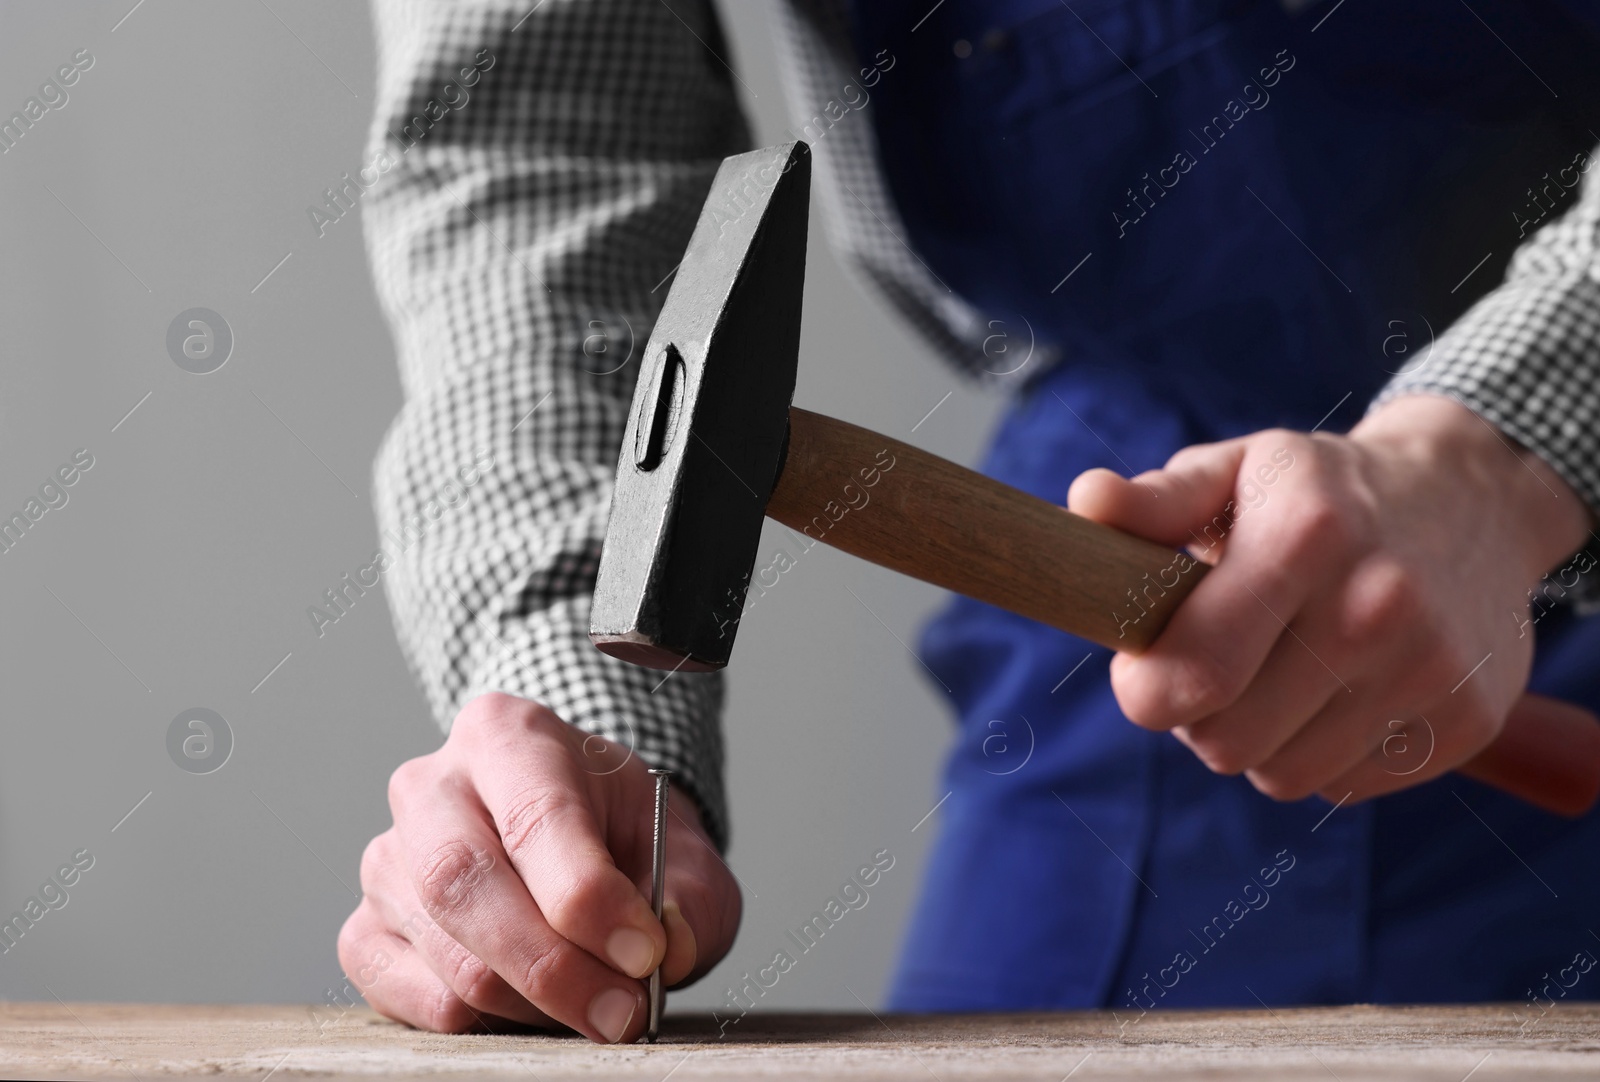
[1527,356]
[541,167]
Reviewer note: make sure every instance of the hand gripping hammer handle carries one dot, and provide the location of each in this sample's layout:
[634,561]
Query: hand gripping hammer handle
[924,516]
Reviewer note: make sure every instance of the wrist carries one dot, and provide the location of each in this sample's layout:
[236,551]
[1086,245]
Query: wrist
[1518,492]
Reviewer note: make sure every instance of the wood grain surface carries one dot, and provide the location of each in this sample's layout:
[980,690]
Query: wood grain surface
[1340,1044]
[927,517]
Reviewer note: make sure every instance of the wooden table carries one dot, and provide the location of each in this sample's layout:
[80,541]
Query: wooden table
[1344,1044]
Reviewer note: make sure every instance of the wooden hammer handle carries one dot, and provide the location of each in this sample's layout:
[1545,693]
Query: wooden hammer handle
[1548,754]
[924,516]
[927,517]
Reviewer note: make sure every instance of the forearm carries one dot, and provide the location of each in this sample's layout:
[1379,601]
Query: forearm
[516,243]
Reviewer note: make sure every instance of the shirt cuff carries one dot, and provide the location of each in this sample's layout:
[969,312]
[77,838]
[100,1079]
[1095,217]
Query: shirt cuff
[668,720]
[1526,358]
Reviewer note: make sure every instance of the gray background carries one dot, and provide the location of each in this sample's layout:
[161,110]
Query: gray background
[178,574]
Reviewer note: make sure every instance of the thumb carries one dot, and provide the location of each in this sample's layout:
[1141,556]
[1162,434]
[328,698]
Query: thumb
[1169,505]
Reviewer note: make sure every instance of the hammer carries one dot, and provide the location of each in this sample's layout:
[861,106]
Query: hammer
[713,445]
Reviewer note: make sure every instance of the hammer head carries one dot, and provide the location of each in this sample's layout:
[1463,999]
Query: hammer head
[709,423]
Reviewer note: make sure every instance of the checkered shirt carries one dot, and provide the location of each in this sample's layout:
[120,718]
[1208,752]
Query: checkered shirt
[540,168]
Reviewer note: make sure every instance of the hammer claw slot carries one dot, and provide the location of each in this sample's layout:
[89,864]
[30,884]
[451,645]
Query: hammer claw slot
[665,404]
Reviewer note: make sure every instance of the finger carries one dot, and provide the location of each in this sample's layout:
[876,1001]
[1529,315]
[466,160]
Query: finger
[412,993]
[1224,631]
[702,893]
[537,795]
[1398,728]
[1170,505]
[1212,649]
[397,984]
[1292,687]
[683,952]
[467,885]
[1349,730]
[1547,753]
[440,1008]
[1378,774]
[388,887]
[1411,752]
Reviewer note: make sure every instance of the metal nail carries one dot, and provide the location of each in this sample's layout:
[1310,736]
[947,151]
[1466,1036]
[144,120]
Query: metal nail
[658,871]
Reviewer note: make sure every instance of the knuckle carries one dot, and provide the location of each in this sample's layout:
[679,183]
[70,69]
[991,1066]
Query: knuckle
[447,876]
[408,778]
[530,817]
[350,936]
[1186,456]
[1384,598]
[485,709]
[449,1013]
[1315,527]
[469,976]
[372,860]
[541,978]
[496,711]
[1277,448]
[584,897]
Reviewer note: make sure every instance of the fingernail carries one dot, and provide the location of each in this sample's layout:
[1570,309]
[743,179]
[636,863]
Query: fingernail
[631,951]
[611,1012]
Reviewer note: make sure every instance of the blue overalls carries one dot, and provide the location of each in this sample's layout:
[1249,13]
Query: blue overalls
[1251,210]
